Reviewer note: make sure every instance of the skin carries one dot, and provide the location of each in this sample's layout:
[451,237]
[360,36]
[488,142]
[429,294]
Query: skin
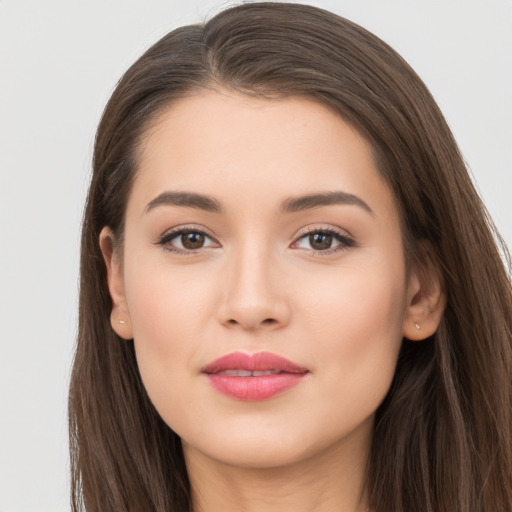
[259,284]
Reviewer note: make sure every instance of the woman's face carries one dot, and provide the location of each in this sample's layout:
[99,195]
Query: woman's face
[256,231]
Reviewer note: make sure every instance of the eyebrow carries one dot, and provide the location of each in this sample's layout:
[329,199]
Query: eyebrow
[290,205]
[300,203]
[186,199]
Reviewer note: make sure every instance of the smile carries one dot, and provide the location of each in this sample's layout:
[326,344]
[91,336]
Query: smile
[253,377]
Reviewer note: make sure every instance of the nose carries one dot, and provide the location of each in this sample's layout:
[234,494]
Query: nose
[253,298]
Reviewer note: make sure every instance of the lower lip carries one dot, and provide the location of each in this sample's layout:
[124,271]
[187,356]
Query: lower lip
[254,388]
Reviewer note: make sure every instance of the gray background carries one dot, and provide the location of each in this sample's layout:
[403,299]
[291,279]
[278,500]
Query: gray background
[59,61]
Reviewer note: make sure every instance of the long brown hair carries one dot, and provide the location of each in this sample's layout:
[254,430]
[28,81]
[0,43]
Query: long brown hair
[443,435]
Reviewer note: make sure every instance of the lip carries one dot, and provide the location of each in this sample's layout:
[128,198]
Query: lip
[285,375]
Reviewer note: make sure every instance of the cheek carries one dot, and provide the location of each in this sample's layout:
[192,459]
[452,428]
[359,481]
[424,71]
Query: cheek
[355,299]
[163,300]
[357,321]
[166,319]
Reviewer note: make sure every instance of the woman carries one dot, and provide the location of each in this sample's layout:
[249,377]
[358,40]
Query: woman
[291,296]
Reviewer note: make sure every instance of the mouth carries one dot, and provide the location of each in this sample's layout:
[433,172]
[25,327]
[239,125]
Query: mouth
[248,373]
[253,377]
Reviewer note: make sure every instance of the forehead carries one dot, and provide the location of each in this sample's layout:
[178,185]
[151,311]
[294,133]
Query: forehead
[252,149]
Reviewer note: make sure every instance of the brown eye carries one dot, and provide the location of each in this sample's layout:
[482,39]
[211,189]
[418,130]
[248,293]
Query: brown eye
[323,241]
[320,241]
[192,240]
[186,241]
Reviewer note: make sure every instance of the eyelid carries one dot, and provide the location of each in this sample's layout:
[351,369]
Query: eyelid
[164,239]
[343,236]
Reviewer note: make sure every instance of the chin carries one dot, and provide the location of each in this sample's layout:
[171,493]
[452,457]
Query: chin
[268,445]
[253,453]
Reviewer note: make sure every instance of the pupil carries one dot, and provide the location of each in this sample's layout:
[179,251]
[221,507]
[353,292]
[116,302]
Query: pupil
[320,241]
[192,240]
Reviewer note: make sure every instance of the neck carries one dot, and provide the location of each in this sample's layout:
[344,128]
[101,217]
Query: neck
[331,480]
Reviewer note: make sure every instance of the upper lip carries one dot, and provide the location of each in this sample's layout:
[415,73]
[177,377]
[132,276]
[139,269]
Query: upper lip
[259,361]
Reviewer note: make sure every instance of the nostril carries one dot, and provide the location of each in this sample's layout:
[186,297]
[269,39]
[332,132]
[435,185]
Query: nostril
[267,321]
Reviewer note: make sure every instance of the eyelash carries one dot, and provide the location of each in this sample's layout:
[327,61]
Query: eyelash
[345,241]
[165,240]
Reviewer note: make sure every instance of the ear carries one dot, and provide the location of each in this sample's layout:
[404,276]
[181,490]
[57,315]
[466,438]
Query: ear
[426,296]
[119,317]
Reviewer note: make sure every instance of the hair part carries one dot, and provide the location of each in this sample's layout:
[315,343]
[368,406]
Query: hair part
[443,435]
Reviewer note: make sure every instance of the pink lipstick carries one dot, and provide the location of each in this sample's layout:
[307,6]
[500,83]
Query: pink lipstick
[253,376]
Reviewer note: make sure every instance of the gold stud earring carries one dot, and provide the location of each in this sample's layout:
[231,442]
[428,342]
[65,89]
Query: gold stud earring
[417,325]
